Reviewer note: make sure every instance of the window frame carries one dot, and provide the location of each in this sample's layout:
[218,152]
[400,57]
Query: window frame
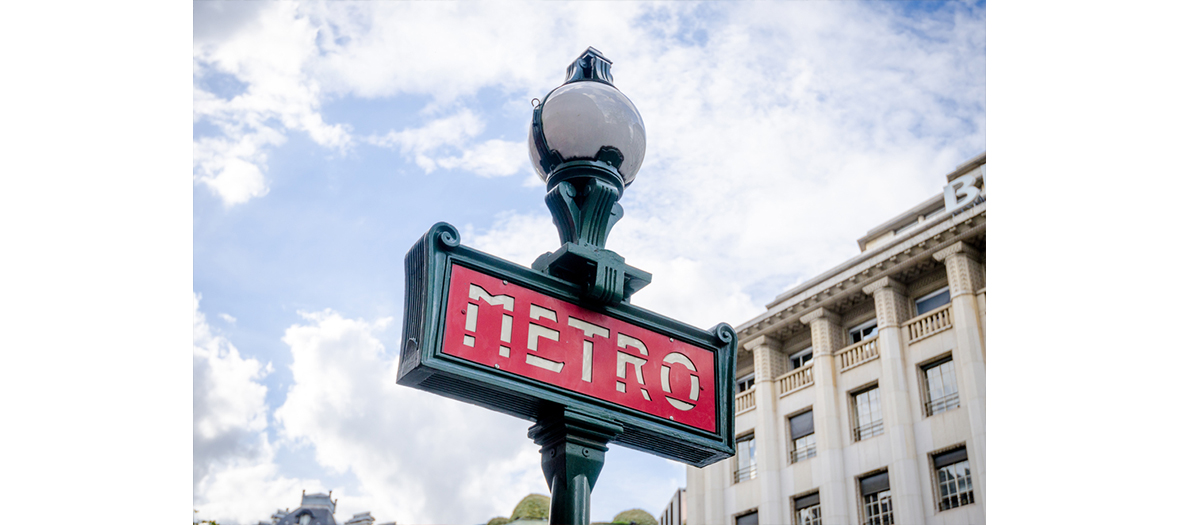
[750,471]
[877,428]
[748,377]
[936,485]
[793,442]
[861,328]
[810,355]
[928,400]
[736,517]
[918,301]
[796,509]
[886,517]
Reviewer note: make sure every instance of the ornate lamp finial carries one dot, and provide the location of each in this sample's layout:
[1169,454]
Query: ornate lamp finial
[590,66]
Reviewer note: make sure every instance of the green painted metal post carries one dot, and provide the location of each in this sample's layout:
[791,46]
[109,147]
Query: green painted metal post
[573,450]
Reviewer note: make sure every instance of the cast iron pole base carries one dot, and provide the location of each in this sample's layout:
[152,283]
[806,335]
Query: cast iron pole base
[573,450]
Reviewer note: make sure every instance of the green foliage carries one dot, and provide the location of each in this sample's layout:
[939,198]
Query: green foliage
[635,516]
[532,507]
[498,520]
[202,522]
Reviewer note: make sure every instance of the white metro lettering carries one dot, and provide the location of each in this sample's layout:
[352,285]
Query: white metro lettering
[635,361]
[477,293]
[545,323]
[535,331]
[666,370]
[590,330]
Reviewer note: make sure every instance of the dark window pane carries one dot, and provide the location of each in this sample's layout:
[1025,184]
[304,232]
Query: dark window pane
[807,501]
[802,425]
[950,458]
[748,519]
[875,483]
[932,303]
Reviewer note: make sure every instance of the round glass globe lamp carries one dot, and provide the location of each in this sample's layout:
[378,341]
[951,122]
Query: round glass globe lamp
[588,125]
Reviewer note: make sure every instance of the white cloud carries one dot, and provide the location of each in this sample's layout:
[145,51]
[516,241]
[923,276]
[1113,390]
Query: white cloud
[237,180]
[234,475]
[426,146]
[229,408]
[291,57]
[422,143]
[267,54]
[419,458]
[493,158]
[515,237]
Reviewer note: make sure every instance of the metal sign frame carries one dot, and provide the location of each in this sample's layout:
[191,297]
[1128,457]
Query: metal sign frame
[424,366]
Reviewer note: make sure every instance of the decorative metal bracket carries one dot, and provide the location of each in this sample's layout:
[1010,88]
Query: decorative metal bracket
[584,213]
[604,277]
[584,203]
[573,451]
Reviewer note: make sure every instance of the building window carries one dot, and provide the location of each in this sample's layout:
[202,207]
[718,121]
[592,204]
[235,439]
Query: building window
[747,465]
[876,498]
[807,510]
[863,331]
[745,383]
[953,476]
[747,519]
[933,300]
[802,437]
[867,414]
[800,358]
[942,393]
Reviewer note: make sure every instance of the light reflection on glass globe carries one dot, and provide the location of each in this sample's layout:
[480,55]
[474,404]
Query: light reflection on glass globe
[590,120]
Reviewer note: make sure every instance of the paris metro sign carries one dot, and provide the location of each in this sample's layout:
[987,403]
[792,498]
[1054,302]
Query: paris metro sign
[509,338]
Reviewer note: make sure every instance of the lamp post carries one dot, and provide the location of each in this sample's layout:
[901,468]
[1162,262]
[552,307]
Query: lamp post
[559,343]
[587,143]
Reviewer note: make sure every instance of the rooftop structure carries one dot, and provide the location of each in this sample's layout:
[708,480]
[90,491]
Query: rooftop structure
[861,392]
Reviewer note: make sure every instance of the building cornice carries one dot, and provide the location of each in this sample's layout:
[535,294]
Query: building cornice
[957,247]
[844,282]
[928,207]
[819,313]
[886,282]
[762,340]
[963,168]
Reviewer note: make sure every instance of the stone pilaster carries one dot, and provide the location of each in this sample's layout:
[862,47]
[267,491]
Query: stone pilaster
[769,363]
[894,308]
[827,336]
[965,274]
[706,494]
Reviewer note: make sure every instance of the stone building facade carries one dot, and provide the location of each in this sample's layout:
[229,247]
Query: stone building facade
[861,393]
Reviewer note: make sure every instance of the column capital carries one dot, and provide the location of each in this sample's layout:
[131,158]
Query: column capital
[964,270]
[827,335]
[958,247]
[881,284]
[820,313]
[890,301]
[763,340]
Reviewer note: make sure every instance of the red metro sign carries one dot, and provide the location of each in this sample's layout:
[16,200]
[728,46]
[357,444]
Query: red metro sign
[520,341]
[504,326]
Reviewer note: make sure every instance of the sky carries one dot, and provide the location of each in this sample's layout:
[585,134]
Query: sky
[328,137]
